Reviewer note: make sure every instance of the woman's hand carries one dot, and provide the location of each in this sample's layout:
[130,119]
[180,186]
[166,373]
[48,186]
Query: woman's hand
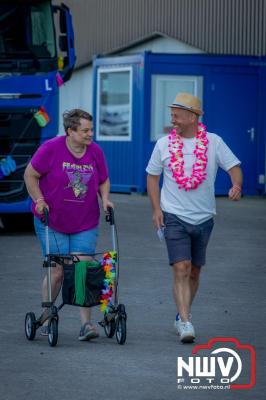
[40,205]
[107,203]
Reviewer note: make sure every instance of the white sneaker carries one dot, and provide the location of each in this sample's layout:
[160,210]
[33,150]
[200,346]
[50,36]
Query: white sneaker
[178,324]
[187,332]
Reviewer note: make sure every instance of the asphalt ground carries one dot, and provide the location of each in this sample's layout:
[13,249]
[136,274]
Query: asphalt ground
[230,304]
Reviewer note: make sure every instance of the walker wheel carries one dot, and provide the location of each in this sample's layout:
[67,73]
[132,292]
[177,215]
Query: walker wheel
[53,331]
[109,328]
[121,325]
[30,326]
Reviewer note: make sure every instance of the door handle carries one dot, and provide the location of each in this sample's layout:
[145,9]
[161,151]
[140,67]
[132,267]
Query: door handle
[251,132]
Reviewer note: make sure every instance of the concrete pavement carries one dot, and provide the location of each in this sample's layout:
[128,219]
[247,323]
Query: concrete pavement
[230,303]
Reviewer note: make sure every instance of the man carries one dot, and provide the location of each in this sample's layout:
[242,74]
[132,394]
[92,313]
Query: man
[189,158]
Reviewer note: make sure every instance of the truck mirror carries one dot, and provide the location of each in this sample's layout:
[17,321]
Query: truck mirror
[63,43]
[66,40]
[62,22]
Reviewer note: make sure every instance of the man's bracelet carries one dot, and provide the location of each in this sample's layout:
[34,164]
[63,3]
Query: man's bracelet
[237,187]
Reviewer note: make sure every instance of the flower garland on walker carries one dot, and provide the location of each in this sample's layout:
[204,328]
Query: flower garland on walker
[198,174]
[108,262]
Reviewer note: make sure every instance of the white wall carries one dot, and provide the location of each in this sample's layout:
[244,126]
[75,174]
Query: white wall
[77,93]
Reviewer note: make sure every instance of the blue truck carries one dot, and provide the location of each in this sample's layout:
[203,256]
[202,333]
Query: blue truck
[36,57]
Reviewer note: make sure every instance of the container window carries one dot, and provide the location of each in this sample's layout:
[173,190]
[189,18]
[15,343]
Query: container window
[164,90]
[114,104]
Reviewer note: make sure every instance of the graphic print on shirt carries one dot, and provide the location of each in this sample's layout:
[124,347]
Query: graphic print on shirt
[78,176]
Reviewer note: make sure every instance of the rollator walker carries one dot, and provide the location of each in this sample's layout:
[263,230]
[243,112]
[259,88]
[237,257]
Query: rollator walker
[99,287]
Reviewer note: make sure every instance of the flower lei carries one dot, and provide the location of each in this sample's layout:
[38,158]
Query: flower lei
[176,164]
[108,263]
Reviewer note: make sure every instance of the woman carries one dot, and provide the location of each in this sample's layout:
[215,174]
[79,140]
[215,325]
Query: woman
[65,176]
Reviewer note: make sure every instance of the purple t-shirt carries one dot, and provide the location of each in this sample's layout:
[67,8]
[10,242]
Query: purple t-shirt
[70,185]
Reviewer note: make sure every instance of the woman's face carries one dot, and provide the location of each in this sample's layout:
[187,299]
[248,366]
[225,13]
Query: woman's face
[84,133]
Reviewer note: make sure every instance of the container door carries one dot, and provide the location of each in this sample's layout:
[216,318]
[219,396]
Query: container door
[231,110]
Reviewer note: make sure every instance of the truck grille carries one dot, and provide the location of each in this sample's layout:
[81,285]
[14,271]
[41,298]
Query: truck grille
[19,137]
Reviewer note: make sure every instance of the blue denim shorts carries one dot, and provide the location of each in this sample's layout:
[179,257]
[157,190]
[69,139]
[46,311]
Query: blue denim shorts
[185,241]
[63,243]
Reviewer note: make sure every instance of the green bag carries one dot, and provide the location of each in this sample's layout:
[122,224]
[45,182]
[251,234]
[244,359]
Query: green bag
[83,283]
[80,279]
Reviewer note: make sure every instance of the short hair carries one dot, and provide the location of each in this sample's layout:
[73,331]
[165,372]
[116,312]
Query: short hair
[71,118]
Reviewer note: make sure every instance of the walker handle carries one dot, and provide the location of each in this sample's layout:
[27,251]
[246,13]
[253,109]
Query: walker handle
[110,216]
[45,218]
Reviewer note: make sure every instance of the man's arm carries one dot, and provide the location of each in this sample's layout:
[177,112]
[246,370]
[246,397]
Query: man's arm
[154,195]
[236,176]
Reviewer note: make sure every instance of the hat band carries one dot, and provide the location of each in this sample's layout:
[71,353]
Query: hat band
[182,106]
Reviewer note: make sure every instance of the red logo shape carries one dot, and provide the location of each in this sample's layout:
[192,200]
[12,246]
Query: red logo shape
[240,346]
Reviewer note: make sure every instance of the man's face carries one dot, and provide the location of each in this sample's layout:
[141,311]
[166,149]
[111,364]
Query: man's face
[182,119]
[84,133]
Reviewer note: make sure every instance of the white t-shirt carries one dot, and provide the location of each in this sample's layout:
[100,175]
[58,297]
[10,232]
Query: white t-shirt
[197,205]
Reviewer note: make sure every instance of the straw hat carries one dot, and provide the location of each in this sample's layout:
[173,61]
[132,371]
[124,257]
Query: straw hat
[187,102]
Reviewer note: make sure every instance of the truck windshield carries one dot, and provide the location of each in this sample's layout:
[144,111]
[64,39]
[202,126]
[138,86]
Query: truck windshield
[26,30]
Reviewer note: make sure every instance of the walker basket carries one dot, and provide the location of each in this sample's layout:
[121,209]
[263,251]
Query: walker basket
[83,288]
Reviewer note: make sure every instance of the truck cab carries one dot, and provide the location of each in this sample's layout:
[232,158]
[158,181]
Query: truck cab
[36,57]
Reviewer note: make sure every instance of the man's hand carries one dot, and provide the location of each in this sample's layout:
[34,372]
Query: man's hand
[235,193]
[237,180]
[157,219]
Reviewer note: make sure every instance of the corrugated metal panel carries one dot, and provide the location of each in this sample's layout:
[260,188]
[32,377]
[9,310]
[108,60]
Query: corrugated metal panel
[216,26]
